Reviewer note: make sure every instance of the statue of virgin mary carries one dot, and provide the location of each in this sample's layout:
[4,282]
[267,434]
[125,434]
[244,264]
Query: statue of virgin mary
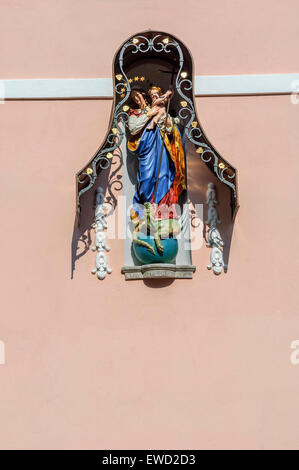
[161,178]
[154,135]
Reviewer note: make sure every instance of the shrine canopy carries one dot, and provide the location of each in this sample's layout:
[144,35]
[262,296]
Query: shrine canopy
[145,59]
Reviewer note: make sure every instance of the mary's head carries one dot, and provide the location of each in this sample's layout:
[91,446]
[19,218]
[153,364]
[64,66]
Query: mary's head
[137,98]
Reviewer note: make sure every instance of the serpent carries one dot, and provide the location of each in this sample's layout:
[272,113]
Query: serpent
[159,229]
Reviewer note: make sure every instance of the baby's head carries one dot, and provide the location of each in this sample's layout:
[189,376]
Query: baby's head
[154,93]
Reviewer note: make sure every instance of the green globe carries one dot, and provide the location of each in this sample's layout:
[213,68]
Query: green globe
[144,256]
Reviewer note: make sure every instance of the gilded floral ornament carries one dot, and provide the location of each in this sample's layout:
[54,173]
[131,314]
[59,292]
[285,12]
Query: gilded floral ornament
[199,150]
[118,76]
[89,171]
[184,104]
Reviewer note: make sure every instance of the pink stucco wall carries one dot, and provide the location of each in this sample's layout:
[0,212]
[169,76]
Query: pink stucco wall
[202,363]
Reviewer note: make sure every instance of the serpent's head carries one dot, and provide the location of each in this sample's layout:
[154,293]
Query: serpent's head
[147,207]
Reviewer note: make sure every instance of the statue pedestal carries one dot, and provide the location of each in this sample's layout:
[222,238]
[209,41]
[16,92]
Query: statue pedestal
[158,270]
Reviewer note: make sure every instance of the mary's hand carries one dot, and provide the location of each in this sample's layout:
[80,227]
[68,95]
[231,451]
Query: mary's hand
[153,111]
[169,94]
[166,96]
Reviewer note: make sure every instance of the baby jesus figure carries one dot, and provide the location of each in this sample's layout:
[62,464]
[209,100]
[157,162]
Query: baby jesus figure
[157,110]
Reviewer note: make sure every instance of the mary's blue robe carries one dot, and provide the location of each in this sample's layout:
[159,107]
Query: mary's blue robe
[148,153]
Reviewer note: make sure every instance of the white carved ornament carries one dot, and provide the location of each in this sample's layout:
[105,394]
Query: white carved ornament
[214,238]
[100,244]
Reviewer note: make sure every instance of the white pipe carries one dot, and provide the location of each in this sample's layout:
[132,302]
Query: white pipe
[205,85]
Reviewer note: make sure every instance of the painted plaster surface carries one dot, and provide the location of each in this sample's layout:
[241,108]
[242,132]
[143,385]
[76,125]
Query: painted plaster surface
[201,363]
